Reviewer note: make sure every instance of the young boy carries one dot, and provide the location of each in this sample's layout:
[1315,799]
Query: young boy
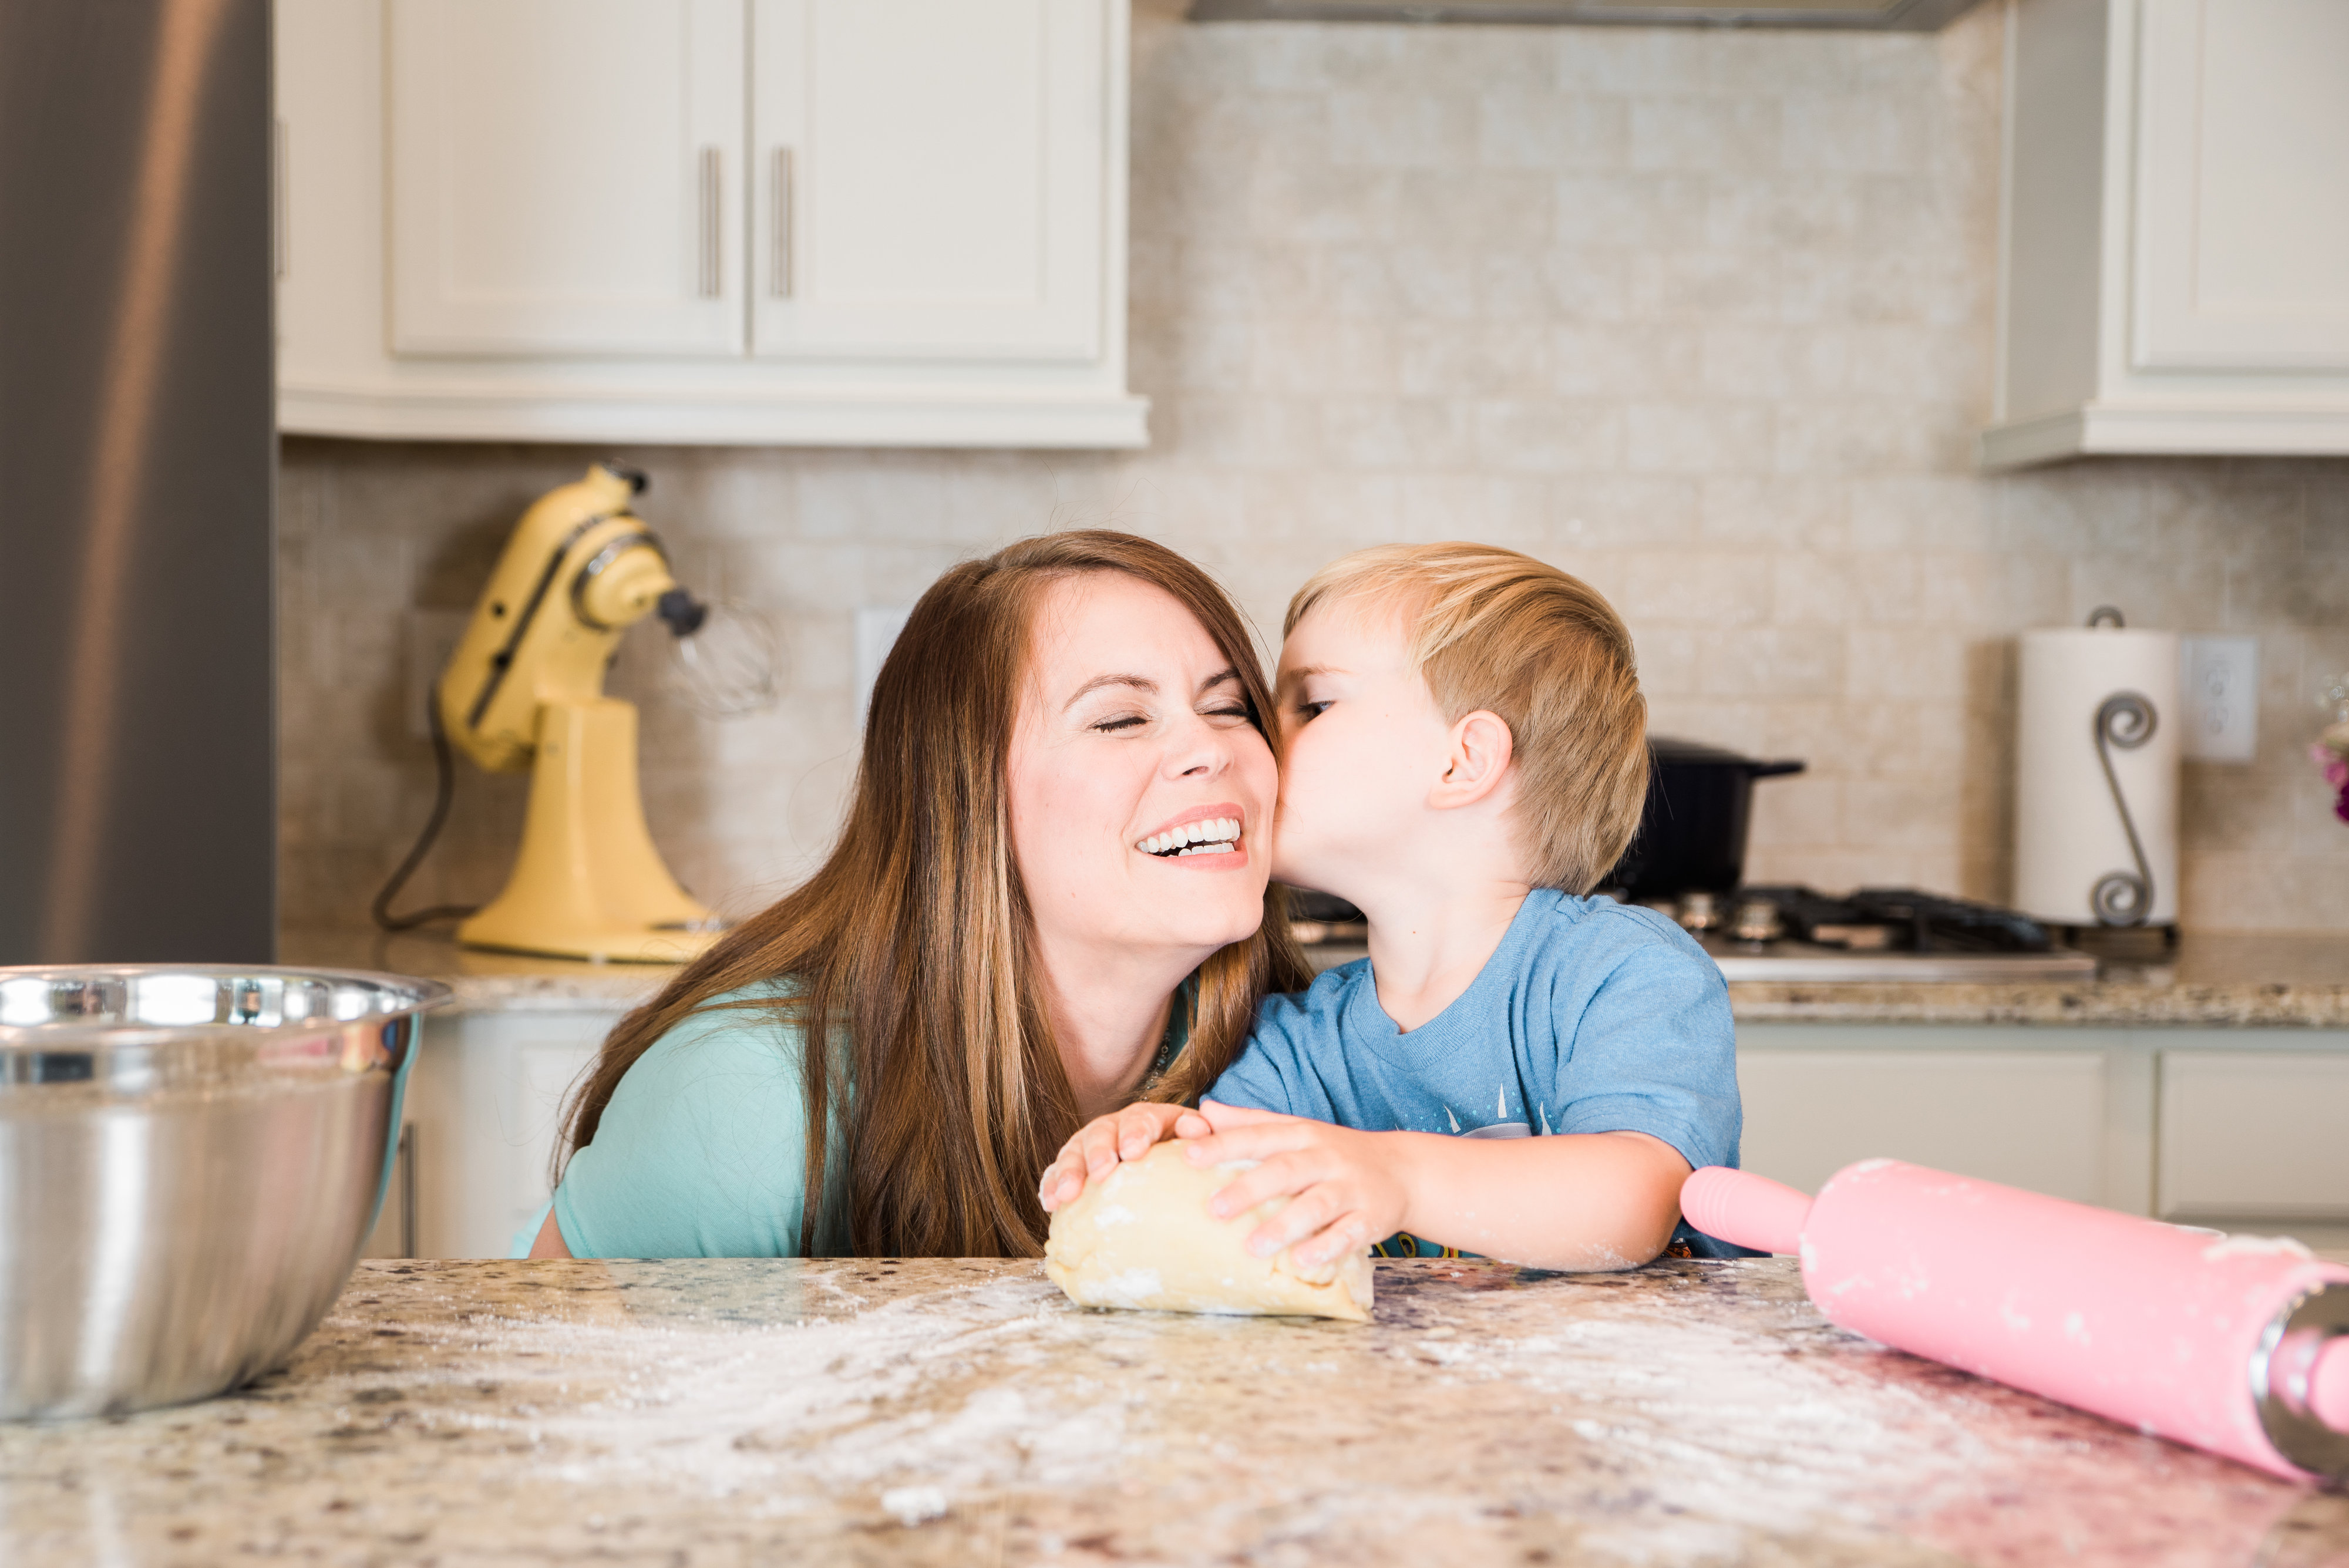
[1464,757]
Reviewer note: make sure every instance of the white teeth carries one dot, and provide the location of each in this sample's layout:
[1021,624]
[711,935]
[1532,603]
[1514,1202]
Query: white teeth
[1193,837]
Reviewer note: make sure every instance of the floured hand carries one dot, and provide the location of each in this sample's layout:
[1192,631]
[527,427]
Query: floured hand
[1101,1143]
[1345,1189]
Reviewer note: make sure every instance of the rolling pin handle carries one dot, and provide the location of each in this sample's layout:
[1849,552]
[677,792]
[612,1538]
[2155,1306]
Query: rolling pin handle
[1751,1210]
[2328,1386]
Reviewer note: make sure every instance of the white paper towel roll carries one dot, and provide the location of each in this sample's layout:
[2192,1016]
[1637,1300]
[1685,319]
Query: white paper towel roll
[2069,837]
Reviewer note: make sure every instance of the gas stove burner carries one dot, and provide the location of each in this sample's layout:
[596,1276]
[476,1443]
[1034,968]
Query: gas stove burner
[1902,920]
[1880,934]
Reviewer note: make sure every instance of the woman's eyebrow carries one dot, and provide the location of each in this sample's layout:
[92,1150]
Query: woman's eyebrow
[1138,682]
[1225,676]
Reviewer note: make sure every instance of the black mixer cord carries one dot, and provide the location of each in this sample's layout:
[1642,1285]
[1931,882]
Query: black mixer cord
[446,763]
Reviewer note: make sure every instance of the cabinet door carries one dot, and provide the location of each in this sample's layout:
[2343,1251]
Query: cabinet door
[2242,248]
[929,179]
[2254,1135]
[485,1104]
[566,177]
[2033,1119]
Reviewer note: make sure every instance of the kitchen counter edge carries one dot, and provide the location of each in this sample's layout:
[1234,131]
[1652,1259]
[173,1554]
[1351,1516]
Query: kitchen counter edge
[2268,980]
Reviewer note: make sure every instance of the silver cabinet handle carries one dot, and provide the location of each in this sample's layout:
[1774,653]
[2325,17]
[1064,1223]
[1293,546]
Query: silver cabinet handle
[713,279]
[778,203]
[408,1189]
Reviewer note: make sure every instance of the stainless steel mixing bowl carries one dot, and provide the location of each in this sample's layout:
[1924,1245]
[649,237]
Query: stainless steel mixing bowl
[191,1156]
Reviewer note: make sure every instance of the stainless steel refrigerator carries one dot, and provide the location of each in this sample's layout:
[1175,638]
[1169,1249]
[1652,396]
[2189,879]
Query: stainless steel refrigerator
[137,453]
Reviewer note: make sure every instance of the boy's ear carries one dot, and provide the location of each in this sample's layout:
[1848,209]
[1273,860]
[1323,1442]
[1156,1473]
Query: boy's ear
[1478,760]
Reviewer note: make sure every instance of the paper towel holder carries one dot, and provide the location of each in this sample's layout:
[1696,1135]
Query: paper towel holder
[2126,719]
[2107,893]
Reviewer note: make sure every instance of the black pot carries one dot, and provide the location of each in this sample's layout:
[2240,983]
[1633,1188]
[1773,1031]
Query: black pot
[1691,835]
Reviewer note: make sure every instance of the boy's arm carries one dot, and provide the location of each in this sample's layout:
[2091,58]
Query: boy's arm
[1584,1201]
[1651,1071]
[1097,1146]
[1267,1074]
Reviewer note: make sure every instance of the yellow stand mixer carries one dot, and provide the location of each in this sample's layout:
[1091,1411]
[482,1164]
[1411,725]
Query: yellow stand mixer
[524,689]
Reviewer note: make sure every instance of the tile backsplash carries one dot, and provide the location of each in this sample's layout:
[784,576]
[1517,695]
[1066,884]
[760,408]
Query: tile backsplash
[1704,317]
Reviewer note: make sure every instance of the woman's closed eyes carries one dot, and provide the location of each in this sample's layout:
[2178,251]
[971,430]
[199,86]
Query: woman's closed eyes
[1228,713]
[1219,702]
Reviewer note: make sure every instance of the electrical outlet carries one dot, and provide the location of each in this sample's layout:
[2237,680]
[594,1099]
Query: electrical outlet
[2218,688]
[432,639]
[876,634]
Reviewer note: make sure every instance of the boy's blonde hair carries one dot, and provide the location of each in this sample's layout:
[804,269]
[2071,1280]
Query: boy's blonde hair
[1494,629]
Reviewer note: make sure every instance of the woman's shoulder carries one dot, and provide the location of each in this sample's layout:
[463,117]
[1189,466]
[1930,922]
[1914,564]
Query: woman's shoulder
[702,1150]
[752,1030]
[726,1073]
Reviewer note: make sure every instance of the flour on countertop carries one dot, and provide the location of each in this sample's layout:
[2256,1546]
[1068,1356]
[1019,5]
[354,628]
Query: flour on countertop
[1687,1413]
[842,1402]
[953,1411]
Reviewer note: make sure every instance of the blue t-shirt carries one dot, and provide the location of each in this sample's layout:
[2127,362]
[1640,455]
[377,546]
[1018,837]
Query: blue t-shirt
[1591,1016]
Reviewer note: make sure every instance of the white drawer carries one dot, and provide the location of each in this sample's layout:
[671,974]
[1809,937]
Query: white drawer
[2033,1119]
[2254,1134]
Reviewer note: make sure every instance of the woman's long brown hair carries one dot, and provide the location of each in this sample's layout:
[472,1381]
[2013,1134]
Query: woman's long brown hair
[926,1040]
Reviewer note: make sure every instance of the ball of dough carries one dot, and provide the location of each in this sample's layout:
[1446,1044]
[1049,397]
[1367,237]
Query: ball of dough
[1141,1237]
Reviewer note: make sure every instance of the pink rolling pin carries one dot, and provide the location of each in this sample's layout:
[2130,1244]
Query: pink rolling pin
[2233,1344]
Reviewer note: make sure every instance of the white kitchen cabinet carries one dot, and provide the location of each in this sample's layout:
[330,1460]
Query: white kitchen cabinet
[751,221]
[2229,1127]
[2224,1127]
[517,230]
[2175,260]
[933,184]
[482,1114]
[2030,1117]
[2262,1133]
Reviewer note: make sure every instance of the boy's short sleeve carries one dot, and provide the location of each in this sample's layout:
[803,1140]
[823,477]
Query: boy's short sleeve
[1654,1051]
[701,1152]
[1275,1071]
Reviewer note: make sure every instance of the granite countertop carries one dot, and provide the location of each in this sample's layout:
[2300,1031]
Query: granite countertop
[2269,979]
[2282,979]
[484,981]
[731,1412]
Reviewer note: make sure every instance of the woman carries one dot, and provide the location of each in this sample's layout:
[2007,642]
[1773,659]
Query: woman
[1051,897]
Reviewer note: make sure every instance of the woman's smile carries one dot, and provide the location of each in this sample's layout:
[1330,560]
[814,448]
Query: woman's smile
[1204,838]
[1136,747]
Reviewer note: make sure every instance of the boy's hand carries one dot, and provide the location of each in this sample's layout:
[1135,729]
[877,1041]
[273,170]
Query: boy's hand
[1100,1144]
[1345,1187]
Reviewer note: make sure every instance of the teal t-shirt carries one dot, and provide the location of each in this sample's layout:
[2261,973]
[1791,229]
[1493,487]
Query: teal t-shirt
[702,1151]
